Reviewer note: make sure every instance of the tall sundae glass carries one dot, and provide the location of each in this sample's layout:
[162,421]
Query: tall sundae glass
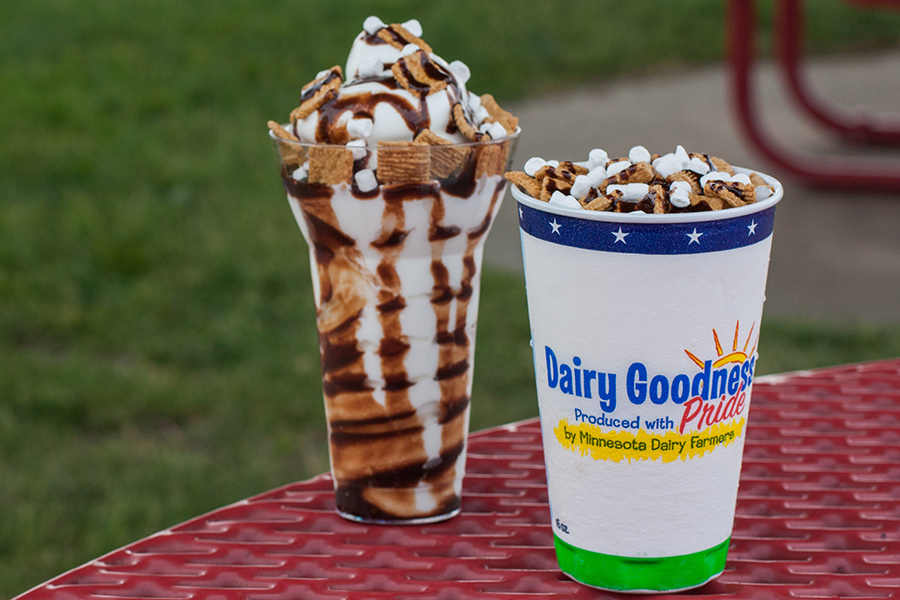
[395,175]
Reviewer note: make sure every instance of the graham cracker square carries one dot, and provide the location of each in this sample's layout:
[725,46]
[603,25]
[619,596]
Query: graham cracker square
[330,165]
[401,162]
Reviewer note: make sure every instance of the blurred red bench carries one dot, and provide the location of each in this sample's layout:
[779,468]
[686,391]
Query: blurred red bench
[855,127]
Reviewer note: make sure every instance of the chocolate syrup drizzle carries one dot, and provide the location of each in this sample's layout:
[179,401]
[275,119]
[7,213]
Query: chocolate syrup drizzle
[376,435]
[363,104]
[380,458]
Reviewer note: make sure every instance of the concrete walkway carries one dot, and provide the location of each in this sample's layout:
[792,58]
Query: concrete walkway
[836,254]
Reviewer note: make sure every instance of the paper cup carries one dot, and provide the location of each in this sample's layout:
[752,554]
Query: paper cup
[645,331]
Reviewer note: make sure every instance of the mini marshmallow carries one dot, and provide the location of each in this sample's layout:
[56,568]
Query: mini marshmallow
[631,192]
[461,71]
[365,180]
[741,178]
[371,67]
[636,191]
[616,167]
[597,158]
[322,74]
[414,27]
[533,164]
[360,128]
[581,186]
[481,113]
[373,24]
[553,163]
[496,130]
[667,164]
[358,148]
[697,165]
[639,154]
[300,173]
[597,175]
[474,101]
[714,176]
[763,192]
[564,200]
[680,185]
[680,197]
[408,49]
[681,154]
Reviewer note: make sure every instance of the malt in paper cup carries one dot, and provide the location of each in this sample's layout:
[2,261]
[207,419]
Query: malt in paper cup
[645,331]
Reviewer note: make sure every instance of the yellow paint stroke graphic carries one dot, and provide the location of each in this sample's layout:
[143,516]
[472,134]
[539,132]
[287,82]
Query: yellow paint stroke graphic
[591,440]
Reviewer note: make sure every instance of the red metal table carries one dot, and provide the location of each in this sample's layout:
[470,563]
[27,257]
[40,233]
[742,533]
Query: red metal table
[818,516]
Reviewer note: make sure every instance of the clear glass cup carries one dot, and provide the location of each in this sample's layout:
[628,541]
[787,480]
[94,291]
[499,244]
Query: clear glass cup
[396,235]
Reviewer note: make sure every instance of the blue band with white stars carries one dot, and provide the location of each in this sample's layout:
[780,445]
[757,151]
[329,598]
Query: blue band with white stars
[648,234]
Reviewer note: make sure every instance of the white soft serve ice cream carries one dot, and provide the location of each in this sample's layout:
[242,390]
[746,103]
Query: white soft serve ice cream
[379,98]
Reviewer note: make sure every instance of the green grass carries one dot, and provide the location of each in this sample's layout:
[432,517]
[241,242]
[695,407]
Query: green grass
[157,350]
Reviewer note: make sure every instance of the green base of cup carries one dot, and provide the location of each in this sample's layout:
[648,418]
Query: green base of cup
[631,574]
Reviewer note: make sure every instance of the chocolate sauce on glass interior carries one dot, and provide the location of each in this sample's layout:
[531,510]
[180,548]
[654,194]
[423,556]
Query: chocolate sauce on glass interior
[397,438]
[396,233]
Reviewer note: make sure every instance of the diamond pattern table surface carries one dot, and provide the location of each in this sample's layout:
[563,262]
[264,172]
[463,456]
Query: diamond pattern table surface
[818,516]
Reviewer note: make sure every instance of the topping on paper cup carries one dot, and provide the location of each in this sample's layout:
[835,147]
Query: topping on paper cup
[642,182]
[526,182]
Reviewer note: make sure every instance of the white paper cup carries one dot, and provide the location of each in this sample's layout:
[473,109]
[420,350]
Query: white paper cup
[645,331]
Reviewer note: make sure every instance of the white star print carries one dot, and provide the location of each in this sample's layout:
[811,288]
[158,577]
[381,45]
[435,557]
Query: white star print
[555,227]
[620,236]
[752,228]
[695,237]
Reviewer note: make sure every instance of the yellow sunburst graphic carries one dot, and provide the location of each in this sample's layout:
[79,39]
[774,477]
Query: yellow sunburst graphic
[735,355]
